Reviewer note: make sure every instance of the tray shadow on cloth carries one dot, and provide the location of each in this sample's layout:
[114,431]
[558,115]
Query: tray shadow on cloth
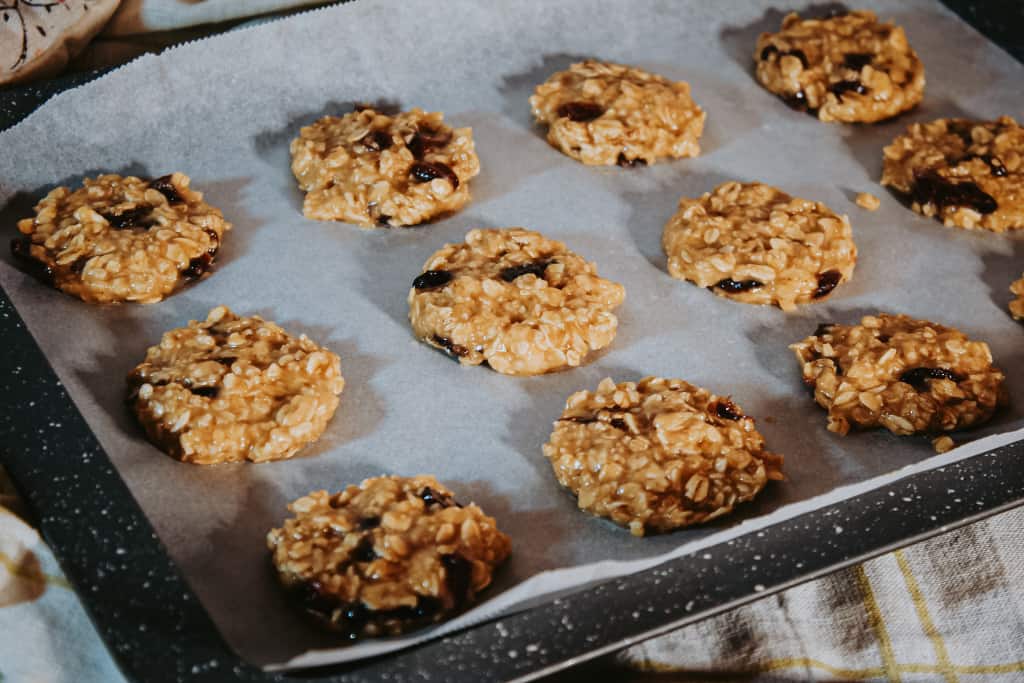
[273,145]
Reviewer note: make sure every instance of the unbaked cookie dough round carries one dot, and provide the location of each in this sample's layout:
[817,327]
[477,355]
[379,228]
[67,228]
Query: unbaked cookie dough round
[514,299]
[658,454]
[604,114]
[848,67]
[968,174]
[1017,305]
[756,244]
[373,169]
[121,239]
[385,557]
[229,389]
[909,376]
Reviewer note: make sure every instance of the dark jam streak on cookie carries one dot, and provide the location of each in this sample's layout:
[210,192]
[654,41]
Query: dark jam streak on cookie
[995,164]
[226,361]
[737,286]
[376,141]
[458,577]
[579,419]
[770,50]
[139,217]
[425,171]
[364,552]
[21,249]
[798,102]
[426,138]
[918,377]
[206,392]
[164,186]
[827,281]
[78,265]
[630,163]
[857,60]
[432,279]
[931,188]
[432,497]
[727,410]
[842,87]
[452,349]
[581,112]
[536,268]
[367,523]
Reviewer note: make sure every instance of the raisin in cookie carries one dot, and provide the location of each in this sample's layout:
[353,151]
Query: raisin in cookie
[121,239]
[756,244]
[230,389]
[659,454]
[968,174]
[372,169]
[849,67]
[514,299]
[604,114]
[1017,305]
[385,557]
[909,376]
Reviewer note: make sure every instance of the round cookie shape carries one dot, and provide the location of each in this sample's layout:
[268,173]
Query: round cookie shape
[230,389]
[121,238]
[909,376]
[514,299]
[372,169]
[1017,305]
[605,114]
[385,557]
[659,454]
[968,174]
[756,244]
[848,67]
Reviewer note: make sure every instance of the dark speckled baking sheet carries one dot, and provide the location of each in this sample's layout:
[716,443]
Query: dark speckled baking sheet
[647,199]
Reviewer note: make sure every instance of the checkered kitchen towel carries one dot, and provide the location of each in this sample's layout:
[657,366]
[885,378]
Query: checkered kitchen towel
[949,609]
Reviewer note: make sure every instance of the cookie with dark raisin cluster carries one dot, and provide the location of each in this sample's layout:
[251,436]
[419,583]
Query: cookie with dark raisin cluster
[373,169]
[909,376]
[605,114]
[756,244]
[514,299]
[121,239]
[658,454]
[847,67]
[230,389]
[388,556]
[968,174]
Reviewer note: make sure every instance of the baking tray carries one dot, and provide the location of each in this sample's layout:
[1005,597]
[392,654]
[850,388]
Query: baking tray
[126,579]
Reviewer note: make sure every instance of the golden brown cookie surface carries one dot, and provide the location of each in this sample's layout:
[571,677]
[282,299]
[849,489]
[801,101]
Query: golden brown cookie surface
[909,376]
[523,303]
[385,557]
[233,388]
[848,67]
[373,169]
[602,113]
[756,244]
[121,239]
[965,173]
[658,454]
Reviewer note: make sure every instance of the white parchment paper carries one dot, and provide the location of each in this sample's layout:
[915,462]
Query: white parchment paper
[224,111]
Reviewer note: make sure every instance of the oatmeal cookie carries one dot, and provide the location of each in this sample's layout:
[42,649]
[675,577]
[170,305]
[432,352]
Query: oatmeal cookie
[604,114]
[968,174]
[121,239]
[514,299]
[848,67]
[372,169]
[230,389]
[659,454]
[909,376]
[385,557]
[756,244]
[1017,305]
